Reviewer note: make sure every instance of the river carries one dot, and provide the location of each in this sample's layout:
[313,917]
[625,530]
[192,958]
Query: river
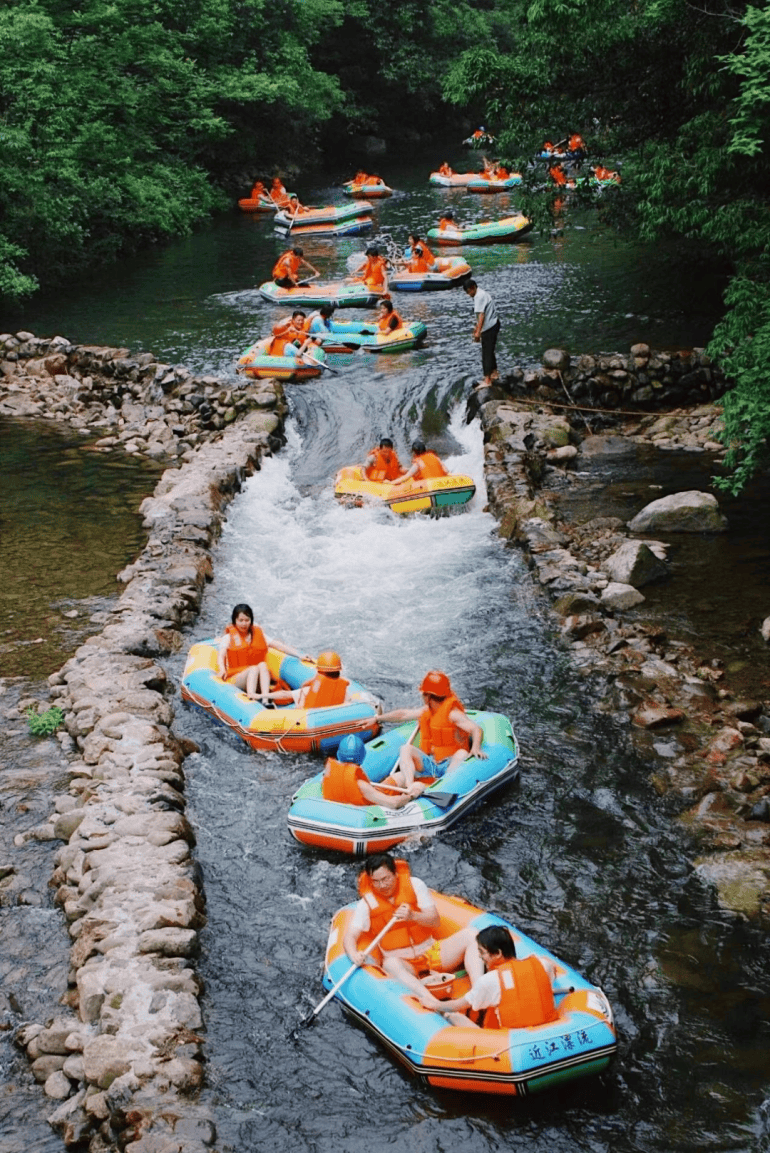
[582,854]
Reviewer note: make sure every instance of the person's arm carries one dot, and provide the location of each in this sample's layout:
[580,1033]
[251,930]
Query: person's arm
[398,715]
[426,914]
[290,652]
[464,722]
[310,266]
[352,933]
[221,656]
[479,326]
[407,475]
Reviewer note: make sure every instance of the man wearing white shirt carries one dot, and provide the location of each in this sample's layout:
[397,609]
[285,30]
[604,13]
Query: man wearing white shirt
[487,328]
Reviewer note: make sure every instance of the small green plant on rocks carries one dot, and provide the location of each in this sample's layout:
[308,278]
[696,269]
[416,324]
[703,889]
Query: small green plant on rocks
[44,724]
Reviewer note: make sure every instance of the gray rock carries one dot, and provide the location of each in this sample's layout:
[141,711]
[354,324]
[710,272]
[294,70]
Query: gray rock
[58,1086]
[634,564]
[618,596]
[680,512]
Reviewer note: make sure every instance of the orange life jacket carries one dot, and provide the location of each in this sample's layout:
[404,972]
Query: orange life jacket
[258,190]
[445,170]
[439,738]
[502,174]
[429,466]
[373,272]
[340,782]
[381,909]
[243,653]
[279,194]
[445,223]
[386,323]
[576,143]
[419,264]
[325,691]
[526,996]
[386,465]
[287,265]
[558,175]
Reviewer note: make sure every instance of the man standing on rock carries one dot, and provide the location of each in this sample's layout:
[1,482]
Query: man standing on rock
[487,328]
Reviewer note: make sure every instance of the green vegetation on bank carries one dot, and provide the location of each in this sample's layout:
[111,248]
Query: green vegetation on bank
[127,121]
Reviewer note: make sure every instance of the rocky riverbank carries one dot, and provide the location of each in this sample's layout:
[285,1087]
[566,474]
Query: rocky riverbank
[124,1058]
[709,746]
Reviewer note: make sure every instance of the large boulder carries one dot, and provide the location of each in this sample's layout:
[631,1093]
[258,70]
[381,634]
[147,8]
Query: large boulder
[634,563]
[681,512]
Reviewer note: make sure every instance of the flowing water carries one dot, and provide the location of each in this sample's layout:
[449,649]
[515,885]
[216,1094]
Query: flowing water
[582,854]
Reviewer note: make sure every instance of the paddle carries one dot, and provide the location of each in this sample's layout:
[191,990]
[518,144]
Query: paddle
[335,988]
[443,800]
[320,363]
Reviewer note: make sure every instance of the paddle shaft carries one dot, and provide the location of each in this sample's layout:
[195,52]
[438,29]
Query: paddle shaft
[335,988]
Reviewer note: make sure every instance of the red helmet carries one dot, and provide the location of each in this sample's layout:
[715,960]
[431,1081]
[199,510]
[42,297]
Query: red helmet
[437,684]
[329,662]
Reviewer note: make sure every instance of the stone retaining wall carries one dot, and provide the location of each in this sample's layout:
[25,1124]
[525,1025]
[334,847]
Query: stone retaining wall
[124,1058]
[641,379]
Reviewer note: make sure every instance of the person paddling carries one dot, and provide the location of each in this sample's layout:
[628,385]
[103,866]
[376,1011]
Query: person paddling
[286,270]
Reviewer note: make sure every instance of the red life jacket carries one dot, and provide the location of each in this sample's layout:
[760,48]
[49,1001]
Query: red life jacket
[243,653]
[439,738]
[325,691]
[381,909]
[429,466]
[526,996]
[386,465]
[340,782]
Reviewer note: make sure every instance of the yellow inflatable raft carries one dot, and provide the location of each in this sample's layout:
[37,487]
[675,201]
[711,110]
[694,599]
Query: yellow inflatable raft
[352,487]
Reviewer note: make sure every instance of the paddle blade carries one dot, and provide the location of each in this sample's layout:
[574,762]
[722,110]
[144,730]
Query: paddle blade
[443,800]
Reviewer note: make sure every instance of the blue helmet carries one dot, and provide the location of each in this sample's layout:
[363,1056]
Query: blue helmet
[351,749]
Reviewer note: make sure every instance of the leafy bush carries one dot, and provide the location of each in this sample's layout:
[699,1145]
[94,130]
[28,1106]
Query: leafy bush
[44,724]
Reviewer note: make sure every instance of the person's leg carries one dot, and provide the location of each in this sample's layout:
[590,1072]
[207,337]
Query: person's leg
[462,947]
[263,677]
[403,972]
[488,359]
[410,762]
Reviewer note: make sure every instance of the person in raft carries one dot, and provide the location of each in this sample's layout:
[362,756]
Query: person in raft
[286,270]
[446,169]
[294,207]
[409,949]
[327,687]
[320,323]
[487,329]
[447,220]
[447,735]
[257,191]
[278,193]
[345,781]
[512,994]
[290,337]
[374,270]
[242,654]
[425,465]
[388,319]
[382,463]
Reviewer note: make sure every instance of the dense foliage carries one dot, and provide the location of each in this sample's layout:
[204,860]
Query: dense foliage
[123,121]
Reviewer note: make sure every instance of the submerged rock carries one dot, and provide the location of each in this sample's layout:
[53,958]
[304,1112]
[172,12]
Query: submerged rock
[680,512]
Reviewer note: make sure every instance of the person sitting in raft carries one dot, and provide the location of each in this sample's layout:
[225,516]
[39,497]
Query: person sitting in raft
[577,146]
[408,949]
[294,207]
[447,220]
[328,687]
[447,735]
[602,173]
[388,319]
[345,781]
[382,463]
[548,147]
[421,259]
[446,170]
[257,191]
[290,336]
[321,322]
[278,193]
[502,173]
[242,654]
[413,243]
[425,465]
[374,270]
[285,272]
[512,994]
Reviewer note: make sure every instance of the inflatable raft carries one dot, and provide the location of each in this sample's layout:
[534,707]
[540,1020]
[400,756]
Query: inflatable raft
[450,271]
[512,1062]
[336,220]
[287,729]
[479,184]
[456,180]
[255,362]
[257,204]
[504,231]
[340,294]
[369,191]
[362,829]
[347,337]
[353,488]
[355,226]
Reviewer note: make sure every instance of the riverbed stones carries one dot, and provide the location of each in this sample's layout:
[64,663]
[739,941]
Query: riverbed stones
[690,511]
[675,697]
[124,877]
